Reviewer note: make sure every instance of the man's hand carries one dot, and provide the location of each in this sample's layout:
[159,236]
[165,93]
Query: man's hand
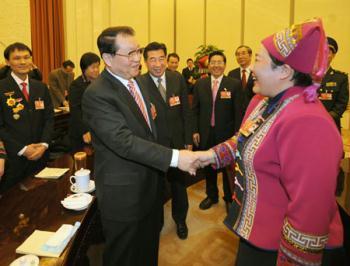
[87,138]
[2,167]
[188,162]
[189,147]
[30,150]
[39,151]
[205,157]
[196,139]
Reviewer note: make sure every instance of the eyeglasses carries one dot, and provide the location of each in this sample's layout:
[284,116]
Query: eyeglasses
[218,63]
[132,54]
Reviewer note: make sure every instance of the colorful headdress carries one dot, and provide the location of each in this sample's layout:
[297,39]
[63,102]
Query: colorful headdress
[303,47]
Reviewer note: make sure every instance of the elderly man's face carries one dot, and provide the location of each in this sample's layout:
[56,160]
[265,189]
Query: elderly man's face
[156,62]
[121,63]
[243,57]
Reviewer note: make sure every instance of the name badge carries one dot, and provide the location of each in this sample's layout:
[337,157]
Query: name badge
[225,94]
[39,104]
[325,96]
[174,100]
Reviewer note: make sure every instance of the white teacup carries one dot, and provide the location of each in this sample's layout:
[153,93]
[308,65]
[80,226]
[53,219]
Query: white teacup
[81,179]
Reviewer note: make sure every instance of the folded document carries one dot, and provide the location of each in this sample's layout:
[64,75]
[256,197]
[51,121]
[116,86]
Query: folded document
[48,244]
[51,173]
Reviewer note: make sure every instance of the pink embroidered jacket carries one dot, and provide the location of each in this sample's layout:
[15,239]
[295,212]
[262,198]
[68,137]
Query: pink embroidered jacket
[290,165]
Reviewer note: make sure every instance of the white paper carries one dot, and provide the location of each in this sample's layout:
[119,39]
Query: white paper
[52,173]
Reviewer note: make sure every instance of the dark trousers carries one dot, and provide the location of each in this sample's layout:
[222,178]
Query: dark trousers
[251,256]
[211,175]
[17,168]
[134,243]
[179,204]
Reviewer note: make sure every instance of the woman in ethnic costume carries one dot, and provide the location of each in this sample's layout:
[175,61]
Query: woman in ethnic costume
[287,157]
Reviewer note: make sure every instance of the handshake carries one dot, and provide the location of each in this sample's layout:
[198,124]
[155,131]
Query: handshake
[190,161]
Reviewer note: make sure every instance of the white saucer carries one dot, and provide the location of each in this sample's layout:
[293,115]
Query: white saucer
[26,260]
[90,189]
[83,201]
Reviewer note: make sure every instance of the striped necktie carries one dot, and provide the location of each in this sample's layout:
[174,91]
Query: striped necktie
[137,97]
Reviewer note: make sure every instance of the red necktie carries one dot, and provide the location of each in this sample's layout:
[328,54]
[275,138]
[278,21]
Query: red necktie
[244,79]
[214,91]
[25,91]
[135,94]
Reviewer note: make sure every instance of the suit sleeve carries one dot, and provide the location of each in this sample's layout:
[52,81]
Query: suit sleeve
[309,179]
[342,99]
[186,111]
[107,123]
[49,118]
[75,98]
[195,108]
[54,87]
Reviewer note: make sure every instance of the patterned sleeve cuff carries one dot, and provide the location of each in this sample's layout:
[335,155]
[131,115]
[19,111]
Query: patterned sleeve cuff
[225,153]
[299,248]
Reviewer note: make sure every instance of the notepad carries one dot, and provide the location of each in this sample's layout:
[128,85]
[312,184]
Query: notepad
[51,173]
[48,244]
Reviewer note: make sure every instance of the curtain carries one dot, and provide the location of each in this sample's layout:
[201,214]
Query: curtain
[47,34]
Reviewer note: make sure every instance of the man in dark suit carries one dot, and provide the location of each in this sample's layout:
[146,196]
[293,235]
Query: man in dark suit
[26,112]
[168,93]
[217,113]
[59,82]
[189,75]
[334,90]
[128,162]
[243,73]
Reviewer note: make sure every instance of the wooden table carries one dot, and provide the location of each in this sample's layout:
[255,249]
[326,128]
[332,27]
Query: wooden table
[35,204]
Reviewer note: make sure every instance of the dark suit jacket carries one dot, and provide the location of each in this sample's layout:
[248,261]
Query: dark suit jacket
[248,91]
[127,159]
[335,83]
[77,127]
[32,126]
[59,82]
[173,122]
[228,112]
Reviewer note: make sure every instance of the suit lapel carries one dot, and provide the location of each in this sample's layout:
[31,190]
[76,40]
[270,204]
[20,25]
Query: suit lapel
[131,103]
[18,91]
[146,98]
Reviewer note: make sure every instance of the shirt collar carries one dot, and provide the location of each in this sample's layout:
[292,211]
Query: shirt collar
[247,69]
[19,81]
[155,79]
[219,79]
[122,80]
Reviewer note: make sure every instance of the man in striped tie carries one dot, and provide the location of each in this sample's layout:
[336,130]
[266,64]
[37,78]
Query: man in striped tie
[128,162]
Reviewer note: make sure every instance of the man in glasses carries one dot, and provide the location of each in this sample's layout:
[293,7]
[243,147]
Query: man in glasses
[243,73]
[26,112]
[217,114]
[128,162]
